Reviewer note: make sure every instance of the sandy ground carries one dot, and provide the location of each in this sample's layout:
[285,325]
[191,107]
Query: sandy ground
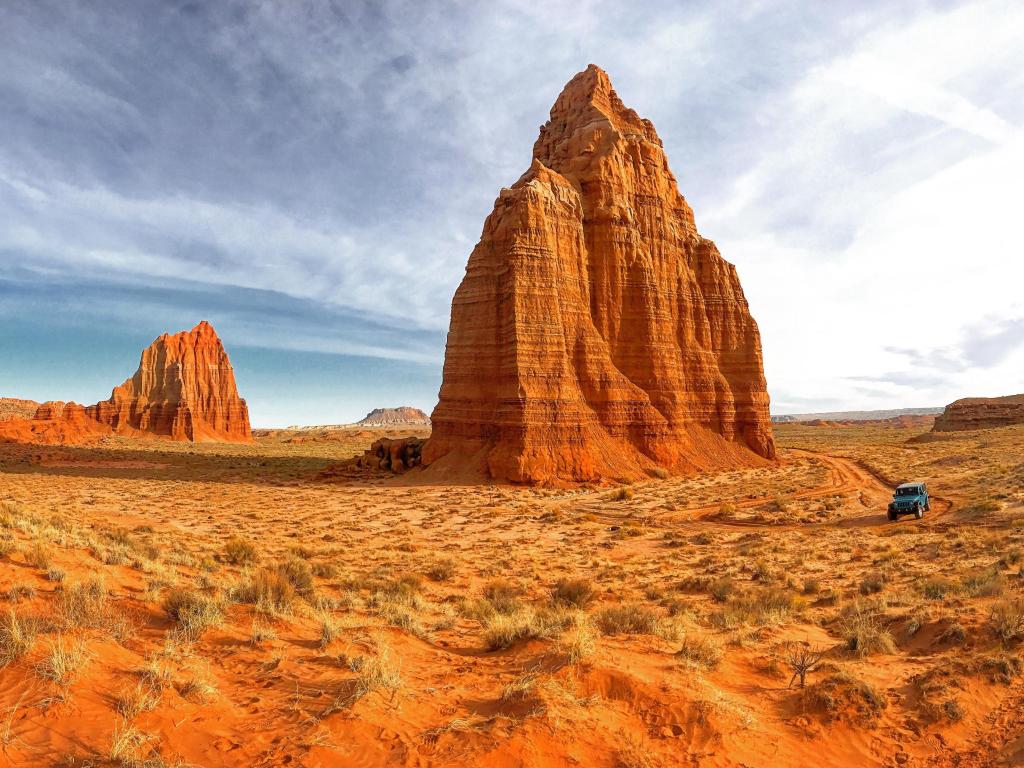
[222,605]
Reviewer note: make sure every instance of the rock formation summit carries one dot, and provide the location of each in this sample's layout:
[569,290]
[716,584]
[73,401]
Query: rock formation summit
[184,389]
[596,335]
[981,413]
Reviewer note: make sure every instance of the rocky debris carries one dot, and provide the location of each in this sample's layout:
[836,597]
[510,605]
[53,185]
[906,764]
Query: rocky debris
[389,417]
[596,335]
[394,454]
[981,413]
[184,389]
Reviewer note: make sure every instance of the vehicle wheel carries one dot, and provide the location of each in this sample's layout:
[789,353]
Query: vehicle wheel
[893,517]
[918,513]
[928,507]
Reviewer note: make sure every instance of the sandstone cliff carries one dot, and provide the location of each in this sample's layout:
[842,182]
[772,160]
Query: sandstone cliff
[596,334]
[981,413]
[184,389]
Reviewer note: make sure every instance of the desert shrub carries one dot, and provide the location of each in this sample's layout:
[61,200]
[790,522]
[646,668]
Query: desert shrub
[872,584]
[55,574]
[1007,620]
[502,630]
[261,633]
[840,693]
[239,551]
[620,494]
[627,618]
[937,588]
[329,629]
[21,592]
[87,605]
[982,506]
[580,640]
[267,589]
[762,572]
[576,592]
[324,570]
[1002,668]
[63,661]
[954,633]
[812,586]
[700,651]
[758,607]
[376,673]
[38,555]
[141,698]
[987,583]
[193,612]
[721,588]
[861,626]
[503,595]
[17,637]
[441,570]
[299,573]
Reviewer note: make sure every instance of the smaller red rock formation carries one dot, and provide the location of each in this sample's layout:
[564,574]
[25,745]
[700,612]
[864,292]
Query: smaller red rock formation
[981,413]
[184,389]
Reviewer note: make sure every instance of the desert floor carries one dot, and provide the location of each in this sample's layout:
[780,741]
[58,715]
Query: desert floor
[222,605]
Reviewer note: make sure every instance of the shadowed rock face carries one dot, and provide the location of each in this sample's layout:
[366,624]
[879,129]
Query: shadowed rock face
[184,389]
[981,413]
[595,333]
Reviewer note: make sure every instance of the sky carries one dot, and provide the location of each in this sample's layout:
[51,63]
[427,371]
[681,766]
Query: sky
[311,176]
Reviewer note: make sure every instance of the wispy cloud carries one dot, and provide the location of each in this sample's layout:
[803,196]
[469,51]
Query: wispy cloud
[337,160]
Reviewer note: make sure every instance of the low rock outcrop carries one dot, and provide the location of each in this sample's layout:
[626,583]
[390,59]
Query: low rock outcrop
[394,454]
[981,413]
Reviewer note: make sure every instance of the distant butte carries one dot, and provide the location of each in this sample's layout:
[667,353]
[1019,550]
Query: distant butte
[596,335]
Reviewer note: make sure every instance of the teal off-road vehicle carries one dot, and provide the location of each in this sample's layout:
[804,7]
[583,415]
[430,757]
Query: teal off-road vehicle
[909,499]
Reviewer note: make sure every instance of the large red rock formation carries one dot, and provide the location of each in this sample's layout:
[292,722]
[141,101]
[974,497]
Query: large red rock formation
[184,389]
[981,413]
[596,334]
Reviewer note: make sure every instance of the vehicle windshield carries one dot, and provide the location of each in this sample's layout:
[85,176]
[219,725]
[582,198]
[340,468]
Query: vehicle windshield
[907,491]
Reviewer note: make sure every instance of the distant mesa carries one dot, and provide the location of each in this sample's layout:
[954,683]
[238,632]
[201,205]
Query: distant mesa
[596,335]
[899,418]
[394,417]
[184,389]
[981,413]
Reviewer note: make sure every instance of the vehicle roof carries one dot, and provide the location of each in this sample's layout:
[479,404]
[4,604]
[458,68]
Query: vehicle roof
[909,485]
